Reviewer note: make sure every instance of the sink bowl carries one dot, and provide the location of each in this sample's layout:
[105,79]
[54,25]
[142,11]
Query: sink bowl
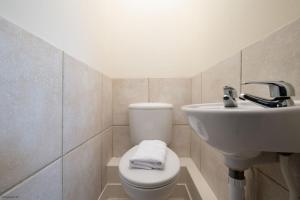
[247,128]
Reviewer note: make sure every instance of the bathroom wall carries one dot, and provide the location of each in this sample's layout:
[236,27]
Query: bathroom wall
[276,57]
[55,121]
[176,91]
[150,38]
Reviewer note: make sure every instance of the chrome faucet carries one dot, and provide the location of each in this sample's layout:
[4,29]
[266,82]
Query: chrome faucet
[280,91]
[229,97]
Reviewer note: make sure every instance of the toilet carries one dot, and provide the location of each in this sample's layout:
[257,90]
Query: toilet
[149,121]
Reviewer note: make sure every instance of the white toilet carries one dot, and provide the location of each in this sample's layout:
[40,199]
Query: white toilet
[149,121]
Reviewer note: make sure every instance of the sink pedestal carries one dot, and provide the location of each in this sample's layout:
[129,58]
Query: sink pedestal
[236,183]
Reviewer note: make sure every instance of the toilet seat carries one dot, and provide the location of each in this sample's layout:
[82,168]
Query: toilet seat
[149,179]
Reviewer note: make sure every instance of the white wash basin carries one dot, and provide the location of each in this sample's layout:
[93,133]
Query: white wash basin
[247,128]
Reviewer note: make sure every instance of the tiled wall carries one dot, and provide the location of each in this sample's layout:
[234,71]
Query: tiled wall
[277,57]
[55,121]
[61,121]
[176,91]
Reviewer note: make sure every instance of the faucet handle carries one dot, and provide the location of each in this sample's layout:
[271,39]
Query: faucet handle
[230,91]
[229,97]
[277,88]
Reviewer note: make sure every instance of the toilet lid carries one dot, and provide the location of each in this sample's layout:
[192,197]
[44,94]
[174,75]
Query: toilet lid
[149,178]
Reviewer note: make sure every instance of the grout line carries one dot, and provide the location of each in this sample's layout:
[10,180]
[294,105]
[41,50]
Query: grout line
[271,179]
[148,93]
[62,127]
[30,176]
[188,191]
[120,125]
[87,140]
[201,89]
[241,71]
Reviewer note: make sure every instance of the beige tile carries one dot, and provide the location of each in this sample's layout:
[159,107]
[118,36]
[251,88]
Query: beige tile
[277,57]
[113,175]
[197,88]
[106,102]
[214,170]
[216,77]
[125,92]
[82,103]
[30,108]
[268,190]
[273,170]
[181,140]
[121,140]
[196,149]
[82,171]
[182,179]
[46,184]
[116,192]
[176,91]
[106,152]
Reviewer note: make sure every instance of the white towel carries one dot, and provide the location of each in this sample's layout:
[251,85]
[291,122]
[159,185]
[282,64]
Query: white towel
[151,154]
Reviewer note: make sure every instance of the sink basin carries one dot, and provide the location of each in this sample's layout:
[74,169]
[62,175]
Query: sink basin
[247,128]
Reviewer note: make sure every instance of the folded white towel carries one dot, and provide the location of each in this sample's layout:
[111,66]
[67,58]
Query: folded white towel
[151,154]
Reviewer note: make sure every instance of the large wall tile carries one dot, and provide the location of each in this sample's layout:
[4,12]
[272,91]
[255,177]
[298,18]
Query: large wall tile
[107,153]
[196,143]
[269,190]
[106,102]
[125,92]
[46,184]
[82,171]
[30,108]
[214,170]
[277,57]
[181,140]
[216,77]
[176,91]
[121,140]
[82,103]
[197,88]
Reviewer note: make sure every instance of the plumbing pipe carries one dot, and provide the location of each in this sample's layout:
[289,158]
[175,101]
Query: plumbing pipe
[286,169]
[236,183]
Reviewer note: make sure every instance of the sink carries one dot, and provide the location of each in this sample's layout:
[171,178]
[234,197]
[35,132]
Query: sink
[247,129]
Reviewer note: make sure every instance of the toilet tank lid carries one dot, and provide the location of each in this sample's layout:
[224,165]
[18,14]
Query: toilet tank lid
[150,106]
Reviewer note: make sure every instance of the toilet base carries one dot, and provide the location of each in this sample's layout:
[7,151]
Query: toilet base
[161,193]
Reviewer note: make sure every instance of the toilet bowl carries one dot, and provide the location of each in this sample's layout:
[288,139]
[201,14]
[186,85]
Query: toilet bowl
[149,121]
[142,184]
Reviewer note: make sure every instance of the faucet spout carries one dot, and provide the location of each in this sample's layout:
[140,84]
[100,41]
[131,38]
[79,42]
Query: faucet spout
[268,103]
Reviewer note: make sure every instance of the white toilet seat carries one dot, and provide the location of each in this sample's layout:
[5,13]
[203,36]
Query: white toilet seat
[149,179]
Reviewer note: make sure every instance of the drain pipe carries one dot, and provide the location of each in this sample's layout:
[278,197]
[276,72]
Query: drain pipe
[236,182]
[287,172]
